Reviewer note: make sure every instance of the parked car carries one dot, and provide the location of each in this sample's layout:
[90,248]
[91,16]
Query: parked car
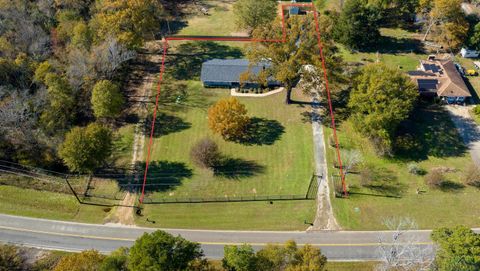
[472,73]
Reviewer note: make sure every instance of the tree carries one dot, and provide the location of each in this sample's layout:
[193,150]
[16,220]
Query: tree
[128,21]
[41,71]
[10,259]
[251,14]
[205,153]
[458,249]
[447,22]
[85,149]
[358,25]
[82,35]
[228,117]
[350,159]
[162,251]
[107,101]
[474,40]
[399,250]
[300,49]
[116,261]
[239,258]
[274,258]
[59,112]
[89,260]
[381,98]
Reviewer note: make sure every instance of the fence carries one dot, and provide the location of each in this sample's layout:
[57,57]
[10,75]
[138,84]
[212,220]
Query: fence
[109,189]
[86,189]
[310,194]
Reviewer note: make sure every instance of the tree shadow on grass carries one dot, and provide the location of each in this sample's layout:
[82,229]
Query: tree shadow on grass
[166,124]
[449,186]
[165,175]
[428,132]
[393,45]
[186,61]
[236,168]
[381,181]
[262,131]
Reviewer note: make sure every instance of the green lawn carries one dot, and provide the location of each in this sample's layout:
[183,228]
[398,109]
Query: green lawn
[281,215]
[278,161]
[50,205]
[436,144]
[219,22]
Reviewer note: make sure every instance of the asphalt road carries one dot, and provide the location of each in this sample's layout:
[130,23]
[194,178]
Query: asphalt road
[67,236]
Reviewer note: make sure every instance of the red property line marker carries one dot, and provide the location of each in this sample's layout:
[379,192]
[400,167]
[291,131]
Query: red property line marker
[240,39]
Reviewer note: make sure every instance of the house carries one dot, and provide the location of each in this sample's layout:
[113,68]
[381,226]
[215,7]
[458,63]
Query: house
[225,73]
[440,78]
[468,53]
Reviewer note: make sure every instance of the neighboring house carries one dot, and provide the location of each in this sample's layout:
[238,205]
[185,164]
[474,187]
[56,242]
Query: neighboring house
[225,73]
[440,78]
[467,53]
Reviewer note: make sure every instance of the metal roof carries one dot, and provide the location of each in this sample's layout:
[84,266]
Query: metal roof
[229,70]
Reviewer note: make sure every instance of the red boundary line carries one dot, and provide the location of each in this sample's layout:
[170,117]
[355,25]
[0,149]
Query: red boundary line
[284,38]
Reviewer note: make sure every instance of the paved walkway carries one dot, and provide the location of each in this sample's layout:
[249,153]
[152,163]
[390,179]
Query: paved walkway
[467,128]
[324,219]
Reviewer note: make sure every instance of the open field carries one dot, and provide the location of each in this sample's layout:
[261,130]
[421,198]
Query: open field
[436,144]
[281,215]
[219,21]
[50,205]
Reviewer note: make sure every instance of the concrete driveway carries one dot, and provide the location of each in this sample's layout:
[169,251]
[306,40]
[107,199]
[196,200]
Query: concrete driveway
[467,128]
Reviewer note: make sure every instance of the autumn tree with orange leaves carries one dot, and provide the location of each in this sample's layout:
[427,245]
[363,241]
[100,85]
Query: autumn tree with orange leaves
[228,118]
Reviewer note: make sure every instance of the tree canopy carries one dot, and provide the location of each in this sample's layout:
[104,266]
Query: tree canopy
[458,249]
[160,251]
[86,148]
[130,21]
[89,260]
[228,118]
[250,14]
[300,49]
[381,98]
[107,101]
[358,25]
[274,258]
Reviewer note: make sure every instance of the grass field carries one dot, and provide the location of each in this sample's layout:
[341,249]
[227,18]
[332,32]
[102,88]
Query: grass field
[436,144]
[281,215]
[351,266]
[278,160]
[50,205]
[219,21]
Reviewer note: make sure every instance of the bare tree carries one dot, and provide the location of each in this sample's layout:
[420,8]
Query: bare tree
[110,55]
[17,115]
[350,159]
[400,250]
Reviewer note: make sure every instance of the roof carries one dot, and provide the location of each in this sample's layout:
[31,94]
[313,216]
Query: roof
[229,70]
[440,76]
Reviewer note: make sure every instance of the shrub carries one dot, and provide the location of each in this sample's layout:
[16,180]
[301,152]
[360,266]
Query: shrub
[331,141]
[472,176]
[476,110]
[435,178]
[10,258]
[415,169]
[205,153]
